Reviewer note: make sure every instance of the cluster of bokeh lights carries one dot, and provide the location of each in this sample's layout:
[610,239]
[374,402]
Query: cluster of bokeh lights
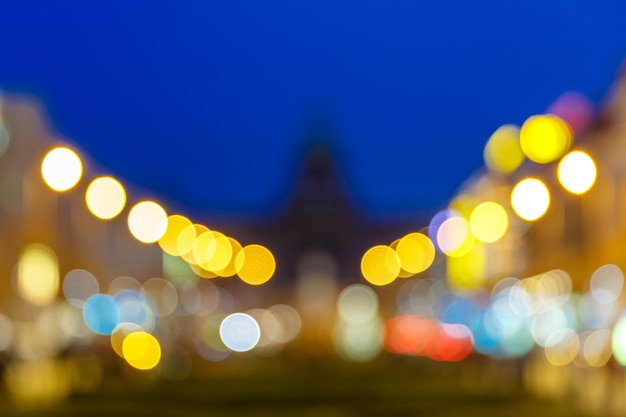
[209,253]
[433,318]
[405,257]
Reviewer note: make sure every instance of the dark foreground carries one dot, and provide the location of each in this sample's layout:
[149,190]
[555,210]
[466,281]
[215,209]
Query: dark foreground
[273,387]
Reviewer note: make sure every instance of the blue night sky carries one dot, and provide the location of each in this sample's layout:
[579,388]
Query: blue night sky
[210,105]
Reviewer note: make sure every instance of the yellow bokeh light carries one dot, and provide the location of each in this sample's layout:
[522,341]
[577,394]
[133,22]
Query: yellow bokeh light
[141,350]
[454,237]
[530,199]
[105,198]
[416,253]
[187,240]
[380,265]
[403,273]
[489,222]
[204,249]
[221,255]
[147,221]
[38,275]
[577,172]
[503,152]
[61,169]
[256,264]
[231,268]
[545,138]
[169,241]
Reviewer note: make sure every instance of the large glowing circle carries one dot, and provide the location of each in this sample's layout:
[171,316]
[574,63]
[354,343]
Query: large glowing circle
[380,265]
[577,172]
[240,332]
[102,314]
[105,198]
[454,237]
[489,221]
[255,264]
[530,199]
[545,138]
[436,222]
[61,169]
[38,275]
[78,285]
[147,221]
[169,241]
[416,252]
[503,152]
[141,350]
[606,283]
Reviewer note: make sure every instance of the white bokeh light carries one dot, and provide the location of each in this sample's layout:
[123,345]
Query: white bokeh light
[240,332]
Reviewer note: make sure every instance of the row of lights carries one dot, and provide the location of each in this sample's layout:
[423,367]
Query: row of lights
[208,252]
[456,231]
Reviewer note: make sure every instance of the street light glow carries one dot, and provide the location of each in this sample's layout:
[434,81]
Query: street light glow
[530,199]
[577,172]
[61,169]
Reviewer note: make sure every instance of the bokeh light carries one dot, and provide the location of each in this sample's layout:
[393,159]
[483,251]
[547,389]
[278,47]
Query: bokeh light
[141,350]
[489,222]
[147,221]
[78,285]
[454,237]
[606,283]
[562,347]
[169,242]
[416,253]
[597,348]
[380,265]
[61,169]
[189,238]
[256,264]
[530,199]
[289,320]
[119,333]
[577,172]
[240,332]
[503,153]
[38,275]
[231,267]
[102,314]
[105,198]
[545,138]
